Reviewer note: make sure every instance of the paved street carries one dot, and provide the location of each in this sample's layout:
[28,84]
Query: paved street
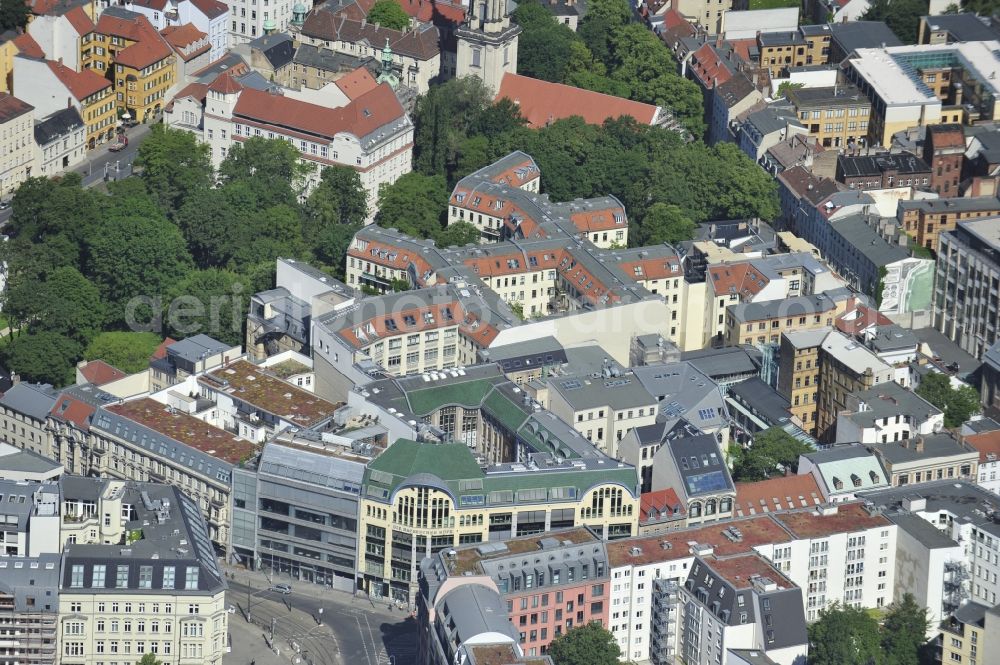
[117,164]
[353,630]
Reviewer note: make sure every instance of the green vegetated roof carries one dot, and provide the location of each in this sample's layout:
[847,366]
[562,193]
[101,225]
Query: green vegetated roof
[453,463]
[463,393]
[447,461]
[503,409]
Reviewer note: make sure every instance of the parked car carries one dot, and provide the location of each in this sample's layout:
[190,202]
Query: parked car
[118,147]
[281,588]
[4,205]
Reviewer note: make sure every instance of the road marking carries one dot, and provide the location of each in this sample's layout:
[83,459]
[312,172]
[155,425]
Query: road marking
[363,642]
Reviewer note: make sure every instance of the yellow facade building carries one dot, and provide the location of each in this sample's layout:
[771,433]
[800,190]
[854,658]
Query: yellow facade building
[421,498]
[139,62]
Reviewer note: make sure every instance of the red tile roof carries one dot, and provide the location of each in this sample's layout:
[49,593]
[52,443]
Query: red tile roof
[849,517]
[654,504]
[80,84]
[158,5]
[27,45]
[756,531]
[858,317]
[775,494]
[542,102]
[11,107]
[196,90]
[185,429]
[183,37]
[225,84]
[72,410]
[602,219]
[429,11]
[674,19]
[148,47]
[987,444]
[739,570]
[80,21]
[709,67]
[737,278]
[211,8]
[362,116]
[161,350]
[99,372]
[356,83]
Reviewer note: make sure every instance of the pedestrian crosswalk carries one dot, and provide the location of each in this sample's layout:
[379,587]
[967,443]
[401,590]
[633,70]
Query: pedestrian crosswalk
[399,651]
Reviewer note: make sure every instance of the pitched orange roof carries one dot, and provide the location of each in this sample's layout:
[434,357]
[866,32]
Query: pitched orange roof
[182,37]
[659,267]
[80,21]
[72,410]
[356,83]
[362,116]
[776,494]
[660,505]
[27,45]
[99,372]
[225,84]
[708,66]
[739,278]
[988,444]
[149,46]
[542,102]
[11,107]
[80,84]
[211,8]
[161,350]
[598,219]
[429,11]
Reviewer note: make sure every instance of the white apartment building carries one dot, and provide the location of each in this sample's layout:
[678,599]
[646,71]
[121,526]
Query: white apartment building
[209,16]
[988,446]
[17,150]
[886,413]
[372,134]
[603,408]
[160,592]
[60,142]
[963,513]
[840,554]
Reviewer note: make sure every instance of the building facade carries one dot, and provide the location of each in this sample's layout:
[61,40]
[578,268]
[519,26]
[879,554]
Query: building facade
[966,284]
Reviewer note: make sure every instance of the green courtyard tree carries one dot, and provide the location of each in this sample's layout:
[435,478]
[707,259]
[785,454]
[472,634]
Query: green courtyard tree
[770,449]
[335,210]
[904,632]
[135,258]
[174,165]
[13,15]
[44,357]
[66,303]
[211,301]
[415,204]
[902,16]
[388,14]
[457,234]
[590,644]
[664,222]
[958,404]
[148,659]
[844,635]
[271,166]
[128,351]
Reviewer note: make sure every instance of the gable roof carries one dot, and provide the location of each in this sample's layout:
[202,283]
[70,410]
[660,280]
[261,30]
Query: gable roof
[149,46]
[211,8]
[81,84]
[543,102]
[356,83]
[361,117]
[99,372]
[776,494]
[11,107]
[80,21]
[421,43]
[57,124]
[27,45]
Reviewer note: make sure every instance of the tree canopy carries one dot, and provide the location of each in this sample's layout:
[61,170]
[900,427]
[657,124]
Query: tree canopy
[415,204]
[771,451]
[589,644]
[844,634]
[388,14]
[902,16]
[958,404]
[609,54]
[44,357]
[13,15]
[128,351]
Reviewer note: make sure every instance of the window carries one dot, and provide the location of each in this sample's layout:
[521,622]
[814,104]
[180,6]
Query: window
[97,581]
[76,579]
[145,577]
[168,577]
[191,582]
[121,581]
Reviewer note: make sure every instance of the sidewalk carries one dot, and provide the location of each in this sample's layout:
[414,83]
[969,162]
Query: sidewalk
[261,579]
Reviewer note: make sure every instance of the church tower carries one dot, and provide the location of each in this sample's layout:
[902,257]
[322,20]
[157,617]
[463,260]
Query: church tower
[487,43]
